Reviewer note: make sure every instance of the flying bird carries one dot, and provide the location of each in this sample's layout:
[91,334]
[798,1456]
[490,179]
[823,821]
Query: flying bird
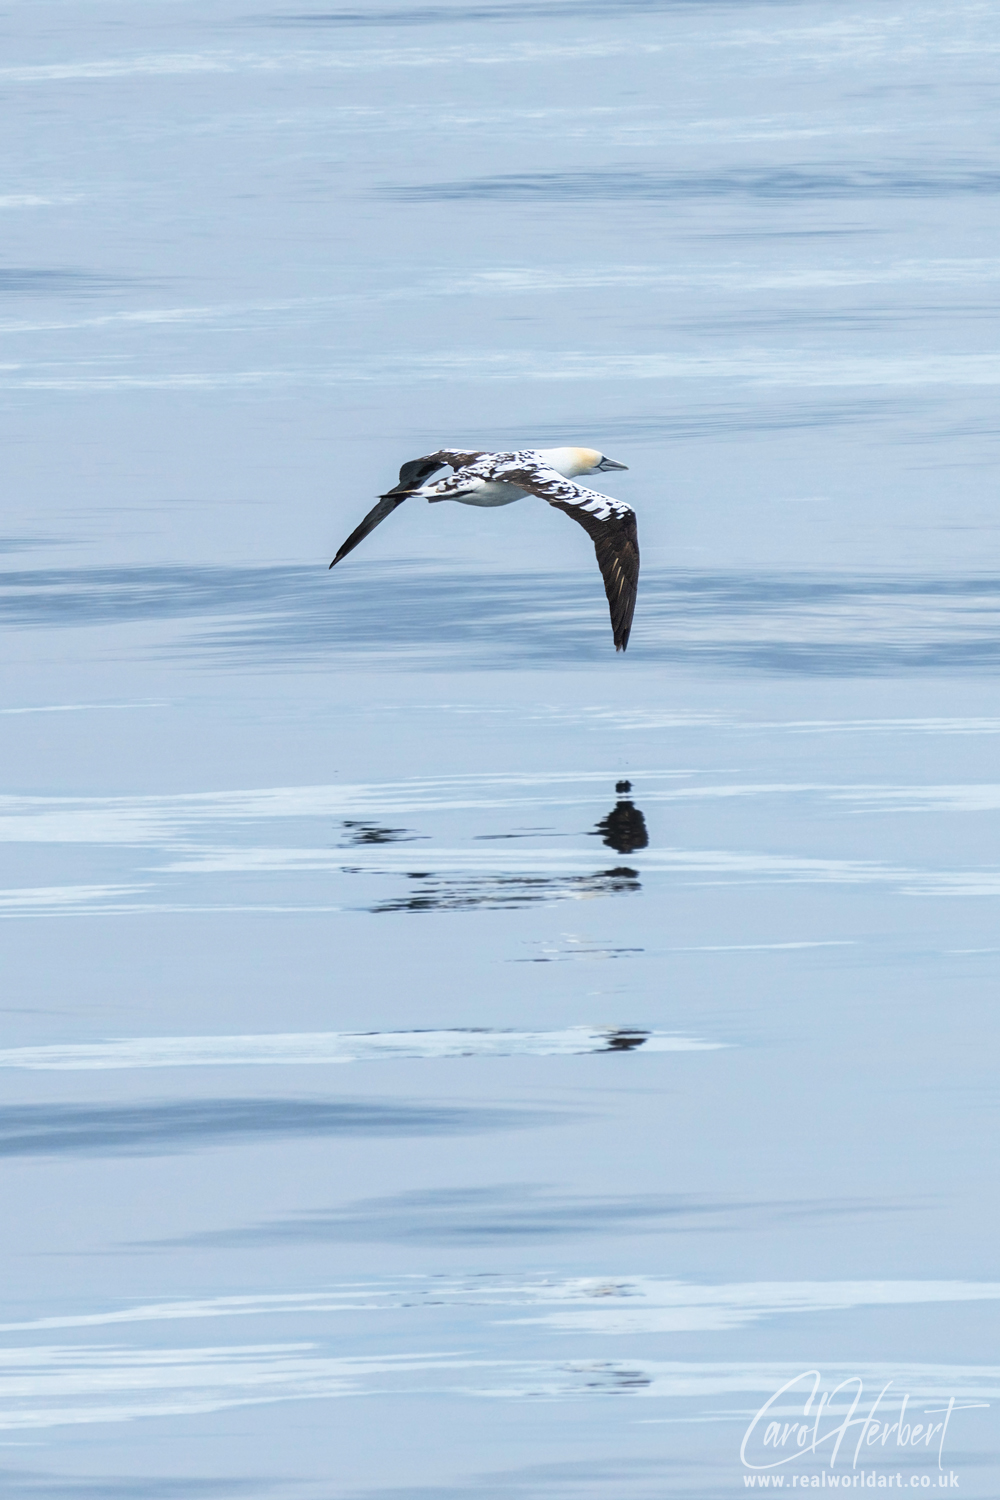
[500,478]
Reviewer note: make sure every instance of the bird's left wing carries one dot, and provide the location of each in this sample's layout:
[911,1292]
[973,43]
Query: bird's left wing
[458,458]
[413,474]
[610,524]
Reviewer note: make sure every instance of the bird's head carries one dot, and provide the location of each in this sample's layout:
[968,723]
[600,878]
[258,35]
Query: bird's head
[571,462]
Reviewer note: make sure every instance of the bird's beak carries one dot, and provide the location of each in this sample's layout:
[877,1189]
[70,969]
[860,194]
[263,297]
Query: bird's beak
[609,463]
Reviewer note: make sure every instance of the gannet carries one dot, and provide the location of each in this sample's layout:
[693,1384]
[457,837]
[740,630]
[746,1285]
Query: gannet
[500,478]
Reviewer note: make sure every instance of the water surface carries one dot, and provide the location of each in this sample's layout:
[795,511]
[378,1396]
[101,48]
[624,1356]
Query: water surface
[440,1057]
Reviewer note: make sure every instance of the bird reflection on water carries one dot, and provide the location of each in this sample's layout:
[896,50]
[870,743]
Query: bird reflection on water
[373,833]
[446,893]
[622,829]
[625,1040]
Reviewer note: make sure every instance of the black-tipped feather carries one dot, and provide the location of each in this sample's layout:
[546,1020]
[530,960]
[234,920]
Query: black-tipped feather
[385,507]
[415,472]
[616,542]
[610,524]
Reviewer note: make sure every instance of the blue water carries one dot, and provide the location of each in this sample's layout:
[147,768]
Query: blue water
[442,1058]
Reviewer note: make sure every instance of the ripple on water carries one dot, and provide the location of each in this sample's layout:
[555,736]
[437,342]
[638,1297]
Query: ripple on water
[843,624]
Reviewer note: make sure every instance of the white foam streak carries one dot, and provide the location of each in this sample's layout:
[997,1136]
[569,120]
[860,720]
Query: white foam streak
[53,898]
[35,200]
[555,862]
[515,281]
[172,821]
[230,833]
[749,367]
[610,1304]
[72,708]
[620,719]
[652,1305]
[352,1299]
[56,1386]
[984,797]
[737,277]
[51,1386]
[315,60]
[763,367]
[157,820]
[327,1047]
[705,866]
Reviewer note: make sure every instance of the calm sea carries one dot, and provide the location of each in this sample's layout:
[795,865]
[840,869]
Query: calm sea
[442,1059]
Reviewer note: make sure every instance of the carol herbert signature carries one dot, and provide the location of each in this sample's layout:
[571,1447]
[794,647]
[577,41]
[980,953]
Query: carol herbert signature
[840,1428]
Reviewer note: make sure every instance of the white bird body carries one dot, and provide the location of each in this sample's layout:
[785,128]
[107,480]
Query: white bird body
[486,492]
[494,479]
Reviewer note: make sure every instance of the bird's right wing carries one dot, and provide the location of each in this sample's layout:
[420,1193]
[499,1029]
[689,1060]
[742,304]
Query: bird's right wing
[413,473]
[610,524]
